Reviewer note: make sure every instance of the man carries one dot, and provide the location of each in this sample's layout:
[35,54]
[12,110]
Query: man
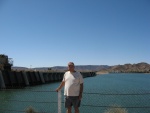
[73,88]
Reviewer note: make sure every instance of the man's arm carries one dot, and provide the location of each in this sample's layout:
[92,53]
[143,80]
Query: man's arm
[81,91]
[60,86]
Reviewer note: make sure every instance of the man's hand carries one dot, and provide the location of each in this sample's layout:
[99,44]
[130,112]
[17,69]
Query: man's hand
[57,89]
[80,96]
[61,85]
[81,91]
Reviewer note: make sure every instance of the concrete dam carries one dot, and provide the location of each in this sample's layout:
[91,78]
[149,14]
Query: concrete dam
[20,79]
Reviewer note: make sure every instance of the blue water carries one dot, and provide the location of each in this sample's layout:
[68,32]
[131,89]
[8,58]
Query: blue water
[130,91]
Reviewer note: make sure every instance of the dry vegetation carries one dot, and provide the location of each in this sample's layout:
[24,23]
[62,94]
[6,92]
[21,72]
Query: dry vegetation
[30,109]
[116,110]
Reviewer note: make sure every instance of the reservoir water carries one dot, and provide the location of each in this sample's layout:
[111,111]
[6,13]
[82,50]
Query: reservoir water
[125,91]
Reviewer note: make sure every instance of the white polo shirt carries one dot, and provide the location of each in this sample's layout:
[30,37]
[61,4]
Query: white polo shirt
[72,83]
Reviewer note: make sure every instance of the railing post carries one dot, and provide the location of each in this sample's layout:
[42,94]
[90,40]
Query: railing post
[59,101]
[2,83]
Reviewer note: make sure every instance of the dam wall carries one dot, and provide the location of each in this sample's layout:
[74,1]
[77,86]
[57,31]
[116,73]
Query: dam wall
[20,79]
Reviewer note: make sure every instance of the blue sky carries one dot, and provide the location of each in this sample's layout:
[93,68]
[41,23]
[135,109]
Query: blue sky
[46,33]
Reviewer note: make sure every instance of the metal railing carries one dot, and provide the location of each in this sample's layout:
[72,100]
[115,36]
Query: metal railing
[51,102]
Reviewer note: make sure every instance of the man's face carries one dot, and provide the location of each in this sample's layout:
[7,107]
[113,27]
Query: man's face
[71,67]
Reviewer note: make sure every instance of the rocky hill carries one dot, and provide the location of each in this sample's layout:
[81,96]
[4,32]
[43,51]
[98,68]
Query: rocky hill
[128,68]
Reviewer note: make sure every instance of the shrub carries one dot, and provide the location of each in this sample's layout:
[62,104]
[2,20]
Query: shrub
[116,110]
[30,109]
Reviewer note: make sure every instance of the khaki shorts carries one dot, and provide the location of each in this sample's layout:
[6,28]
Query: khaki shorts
[72,101]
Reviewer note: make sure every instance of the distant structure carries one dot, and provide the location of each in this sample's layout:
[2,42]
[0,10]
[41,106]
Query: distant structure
[5,62]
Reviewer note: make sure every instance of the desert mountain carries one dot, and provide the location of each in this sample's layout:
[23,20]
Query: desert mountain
[128,68]
[64,68]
